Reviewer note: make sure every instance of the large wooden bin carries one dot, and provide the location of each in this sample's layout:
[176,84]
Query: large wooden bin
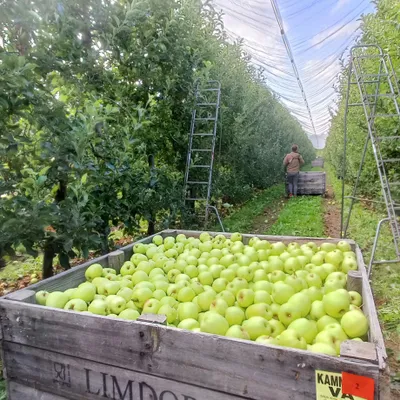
[318,162]
[310,183]
[52,354]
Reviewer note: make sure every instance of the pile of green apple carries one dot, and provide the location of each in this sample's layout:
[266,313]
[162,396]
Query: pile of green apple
[270,293]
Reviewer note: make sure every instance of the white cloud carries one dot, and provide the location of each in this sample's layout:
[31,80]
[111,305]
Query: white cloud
[333,33]
[339,5]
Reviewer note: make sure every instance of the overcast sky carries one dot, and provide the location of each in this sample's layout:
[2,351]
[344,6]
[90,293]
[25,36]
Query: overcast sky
[319,31]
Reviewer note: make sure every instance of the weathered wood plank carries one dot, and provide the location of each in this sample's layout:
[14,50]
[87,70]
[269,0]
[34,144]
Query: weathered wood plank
[20,392]
[360,350]
[25,295]
[116,259]
[236,367]
[369,309]
[76,378]
[354,281]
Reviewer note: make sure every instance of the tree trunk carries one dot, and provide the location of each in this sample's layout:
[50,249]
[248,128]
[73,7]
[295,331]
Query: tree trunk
[48,258]
[151,230]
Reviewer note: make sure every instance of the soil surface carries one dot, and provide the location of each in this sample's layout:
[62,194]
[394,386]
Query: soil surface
[331,214]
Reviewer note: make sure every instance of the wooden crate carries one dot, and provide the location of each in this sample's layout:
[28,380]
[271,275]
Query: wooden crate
[310,183]
[318,162]
[52,354]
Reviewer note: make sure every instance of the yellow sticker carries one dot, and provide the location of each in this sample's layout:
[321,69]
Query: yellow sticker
[329,387]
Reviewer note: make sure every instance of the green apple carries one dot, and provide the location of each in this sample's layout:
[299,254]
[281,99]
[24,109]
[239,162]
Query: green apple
[259,310]
[219,284]
[288,313]
[263,285]
[128,268]
[343,246]
[275,264]
[325,321]
[276,327]
[257,326]
[140,296]
[305,328]
[275,310]
[277,276]
[317,310]
[157,240]
[348,264]
[69,292]
[115,304]
[145,284]
[57,300]
[169,300]
[331,337]
[277,248]
[303,302]
[197,287]
[170,312]
[139,276]
[189,324]
[237,332]
[76,305]
[129,314]
[205,237]
[109,271]
[239,284]
[334,257]
[355,298]
[291,265]
[291,338]
[158,294]
[214,323]
[315,293]
[227,296]
[323,348]
[267,340]
[94,271]
[219,305]
[98,307]
[317,259]
[85,292]
[336,303]
[295,282]
[137,258]
[354,324]
[261,296]
[313,280]
[205,299]
[206,278]
[234,315]
[151,306]
[236,237]
[131,304]
[245,297]
[186,294]
[41,296]
[188,310]
[328,247]
[282,292]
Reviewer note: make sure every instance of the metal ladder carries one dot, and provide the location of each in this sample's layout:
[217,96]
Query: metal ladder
[373,73]
[201,149]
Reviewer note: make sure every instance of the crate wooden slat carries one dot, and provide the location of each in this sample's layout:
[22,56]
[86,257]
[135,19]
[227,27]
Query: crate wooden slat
[318,162]
[56,354]
[311,183]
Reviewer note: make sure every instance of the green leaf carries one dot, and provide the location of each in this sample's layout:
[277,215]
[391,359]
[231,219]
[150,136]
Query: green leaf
[84,178]
[44,170]
[42,179]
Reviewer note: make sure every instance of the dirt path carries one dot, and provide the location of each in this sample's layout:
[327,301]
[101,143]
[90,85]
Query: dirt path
[331,214]
[264,221]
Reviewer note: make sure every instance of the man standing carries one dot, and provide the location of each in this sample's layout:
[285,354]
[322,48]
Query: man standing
[293,161]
